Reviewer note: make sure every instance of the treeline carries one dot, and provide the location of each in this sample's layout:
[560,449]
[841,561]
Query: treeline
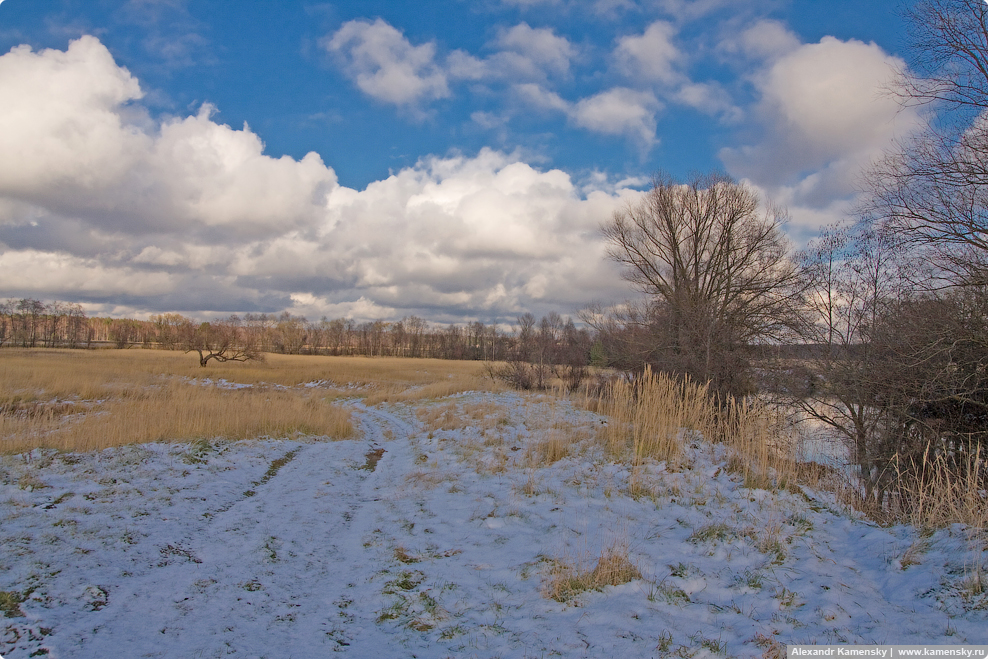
[296,335]
[31,323]
[550,341]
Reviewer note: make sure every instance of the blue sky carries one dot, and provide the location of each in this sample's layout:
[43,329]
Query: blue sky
[449,159]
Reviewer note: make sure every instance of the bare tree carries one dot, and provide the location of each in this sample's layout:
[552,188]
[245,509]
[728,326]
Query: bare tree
[6,320]
[716,269]
[290,334]
[223,341]
[948,48]
[932,192]
[840,372]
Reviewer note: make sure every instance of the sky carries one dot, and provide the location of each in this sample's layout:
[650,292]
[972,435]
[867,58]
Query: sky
[452,160]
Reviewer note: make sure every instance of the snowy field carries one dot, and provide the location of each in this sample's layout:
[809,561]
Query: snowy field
[450,543]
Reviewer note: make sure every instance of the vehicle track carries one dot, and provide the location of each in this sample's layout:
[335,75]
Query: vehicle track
[268,570]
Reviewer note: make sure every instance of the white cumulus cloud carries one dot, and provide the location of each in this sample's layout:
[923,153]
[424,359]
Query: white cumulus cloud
[824,115]
[386,66]
[619,111]
[190,215]
[651,55]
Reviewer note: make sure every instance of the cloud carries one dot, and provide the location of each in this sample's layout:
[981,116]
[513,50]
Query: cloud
[386,66]
[652,61]
[766,39]
[710,98]
[823,116]
[190,215]
[520,53]
[44,96]
[172,36]
[619,111]
[539,97]
[651,56]
[83,166]
[691,10]
[529,4]
[528,50]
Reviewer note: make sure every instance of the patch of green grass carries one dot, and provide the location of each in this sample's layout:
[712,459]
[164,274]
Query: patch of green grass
[674,596]
[198,452]
[10,603]
[799,523]
[271,548]
[30,482]
[407,580]
[787,598]
[749,579]
[393,612]
[451,632]
[717,646]
[712,533]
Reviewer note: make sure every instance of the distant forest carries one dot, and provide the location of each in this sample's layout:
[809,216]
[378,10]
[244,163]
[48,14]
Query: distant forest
[30,323]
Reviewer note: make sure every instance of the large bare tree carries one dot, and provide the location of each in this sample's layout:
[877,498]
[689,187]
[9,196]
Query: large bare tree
[716,268]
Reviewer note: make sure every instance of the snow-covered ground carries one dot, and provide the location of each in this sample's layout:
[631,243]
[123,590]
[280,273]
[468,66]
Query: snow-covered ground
[444,546]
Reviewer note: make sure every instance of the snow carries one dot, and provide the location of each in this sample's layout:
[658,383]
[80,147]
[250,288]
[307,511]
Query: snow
[445,547]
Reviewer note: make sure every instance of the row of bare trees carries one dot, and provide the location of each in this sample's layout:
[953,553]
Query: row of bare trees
[554,347]
[410,337]
[545,349]
[31,323]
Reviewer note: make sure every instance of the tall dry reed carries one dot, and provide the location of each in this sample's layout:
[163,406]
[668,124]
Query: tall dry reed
[762,443]
[651,417]
[935,492]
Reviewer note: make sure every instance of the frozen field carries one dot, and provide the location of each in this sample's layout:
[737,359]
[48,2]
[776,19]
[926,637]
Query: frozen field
[450,542]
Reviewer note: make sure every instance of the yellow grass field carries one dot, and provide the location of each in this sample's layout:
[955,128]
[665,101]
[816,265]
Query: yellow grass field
[79,400]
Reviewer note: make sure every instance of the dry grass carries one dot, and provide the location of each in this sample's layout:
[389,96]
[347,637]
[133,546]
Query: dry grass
[651,418]
[648,417]
[441,417]
[179,411]
[946,495]
[84,400]
[455,415]
[552,448]
[454,383]
[86,373]
[762,443]
[565,579]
